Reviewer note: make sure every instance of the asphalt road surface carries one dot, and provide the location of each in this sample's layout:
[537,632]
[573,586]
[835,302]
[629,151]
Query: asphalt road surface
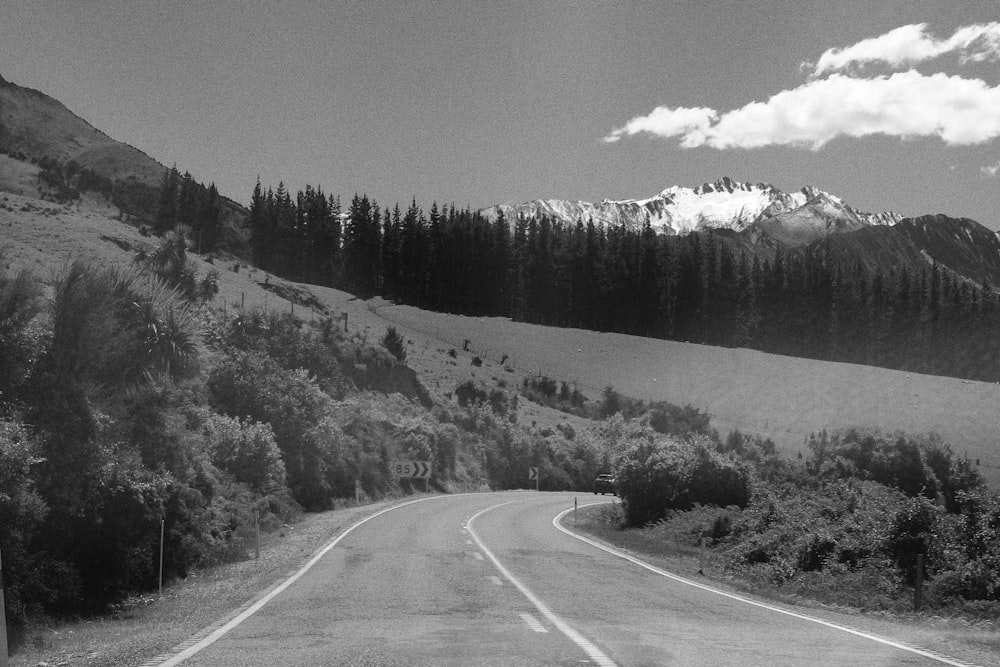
[488,579]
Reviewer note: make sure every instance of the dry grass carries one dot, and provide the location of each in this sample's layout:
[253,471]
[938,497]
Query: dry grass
[149,625]
[783,398]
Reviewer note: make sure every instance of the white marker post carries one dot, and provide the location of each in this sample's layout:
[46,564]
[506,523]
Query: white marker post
[161,558]
[256,533]
[3,621]
[701,555]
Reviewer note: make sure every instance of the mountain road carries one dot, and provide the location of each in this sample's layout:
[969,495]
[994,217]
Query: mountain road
[492,579]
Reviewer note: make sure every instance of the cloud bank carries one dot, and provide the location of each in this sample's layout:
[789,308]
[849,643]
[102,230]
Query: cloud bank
[909,45]
[906,104]
[959,111]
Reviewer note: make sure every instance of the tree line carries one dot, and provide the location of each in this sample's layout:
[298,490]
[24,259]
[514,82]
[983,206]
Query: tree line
[701,287]
[185,201]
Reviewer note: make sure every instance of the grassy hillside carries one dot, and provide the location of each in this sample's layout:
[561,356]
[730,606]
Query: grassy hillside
[782,398]
[39,125]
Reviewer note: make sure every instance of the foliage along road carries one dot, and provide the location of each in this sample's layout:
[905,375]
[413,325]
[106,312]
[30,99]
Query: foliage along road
[490,579]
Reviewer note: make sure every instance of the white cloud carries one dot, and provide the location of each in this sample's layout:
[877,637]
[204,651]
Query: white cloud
[991,170]
[906,104]
[667,122]
[909,45]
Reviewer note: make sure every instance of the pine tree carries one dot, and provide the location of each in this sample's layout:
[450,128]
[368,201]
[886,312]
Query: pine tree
[166,211]
[209,221]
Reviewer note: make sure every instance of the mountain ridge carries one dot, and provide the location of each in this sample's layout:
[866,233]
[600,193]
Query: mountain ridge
[722,204]
[759,218]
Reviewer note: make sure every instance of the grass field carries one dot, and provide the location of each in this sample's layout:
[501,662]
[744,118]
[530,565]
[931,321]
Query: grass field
[783,398]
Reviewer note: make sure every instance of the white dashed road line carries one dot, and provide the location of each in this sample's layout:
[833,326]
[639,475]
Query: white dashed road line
[596,655]
[533,623]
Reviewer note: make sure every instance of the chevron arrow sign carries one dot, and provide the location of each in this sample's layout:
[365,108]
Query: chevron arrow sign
[417,469]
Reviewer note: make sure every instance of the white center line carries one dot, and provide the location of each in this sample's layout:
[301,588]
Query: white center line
[595,653]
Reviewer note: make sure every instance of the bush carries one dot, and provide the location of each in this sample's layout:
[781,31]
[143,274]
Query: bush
[393,342]
[246,450]
[663,474]
[252,385]
[21,513]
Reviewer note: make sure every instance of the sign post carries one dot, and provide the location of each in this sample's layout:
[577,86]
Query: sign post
[3,621]
[533,475]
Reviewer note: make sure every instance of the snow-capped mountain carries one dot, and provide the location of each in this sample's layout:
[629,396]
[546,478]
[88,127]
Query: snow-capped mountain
[757,209]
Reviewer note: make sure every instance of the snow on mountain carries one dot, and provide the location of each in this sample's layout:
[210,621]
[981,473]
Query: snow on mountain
[724,204]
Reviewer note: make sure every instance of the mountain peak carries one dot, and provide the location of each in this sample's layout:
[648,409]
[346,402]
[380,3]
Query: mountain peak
[728,185]
[722,204]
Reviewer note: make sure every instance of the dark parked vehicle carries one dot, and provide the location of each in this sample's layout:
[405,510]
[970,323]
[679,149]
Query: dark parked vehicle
[604,483]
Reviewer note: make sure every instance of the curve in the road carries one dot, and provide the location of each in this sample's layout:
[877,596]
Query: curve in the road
[947,660]
[595,653]
[214,636]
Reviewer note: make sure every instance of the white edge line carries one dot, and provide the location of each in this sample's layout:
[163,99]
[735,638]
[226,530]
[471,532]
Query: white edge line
[739,598]
[595,653]
[178,658]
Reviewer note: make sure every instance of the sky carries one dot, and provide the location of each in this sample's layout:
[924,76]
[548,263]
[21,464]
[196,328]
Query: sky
[890,105]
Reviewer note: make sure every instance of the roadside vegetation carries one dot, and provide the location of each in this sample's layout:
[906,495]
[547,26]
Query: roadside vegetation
[843,525]
[126,401]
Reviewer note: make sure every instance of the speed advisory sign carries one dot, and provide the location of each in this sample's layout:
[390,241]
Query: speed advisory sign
[418,469]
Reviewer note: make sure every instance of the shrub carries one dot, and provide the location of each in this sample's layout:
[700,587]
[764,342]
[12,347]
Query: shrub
[254,386]
[670,419]
[247,450]
[21,513]
[913,531]
[393,341]
[663,474]
[20,302]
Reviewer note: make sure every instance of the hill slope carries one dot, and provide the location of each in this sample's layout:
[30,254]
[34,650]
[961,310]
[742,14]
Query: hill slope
[40,126]
[783,398]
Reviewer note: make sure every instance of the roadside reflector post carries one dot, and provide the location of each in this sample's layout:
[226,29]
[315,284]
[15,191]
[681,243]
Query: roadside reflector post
[3,621]
[256,533]
[574,511]
[701,554]
[918,583]
[161,558]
